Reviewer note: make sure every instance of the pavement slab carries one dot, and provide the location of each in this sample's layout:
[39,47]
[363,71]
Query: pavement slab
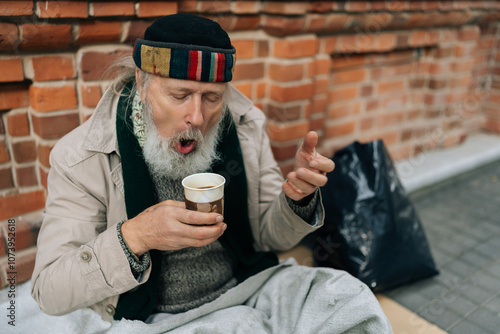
[460,217]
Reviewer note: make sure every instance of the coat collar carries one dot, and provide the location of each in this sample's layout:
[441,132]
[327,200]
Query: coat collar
[238,104]
[101,133]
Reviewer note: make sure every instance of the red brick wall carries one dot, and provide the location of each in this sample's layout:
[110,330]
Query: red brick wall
[418,74]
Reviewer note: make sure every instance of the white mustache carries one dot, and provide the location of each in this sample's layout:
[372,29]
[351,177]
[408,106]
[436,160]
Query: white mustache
[189,134]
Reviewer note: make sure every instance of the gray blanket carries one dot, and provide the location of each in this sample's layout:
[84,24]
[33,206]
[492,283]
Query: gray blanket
[283,299]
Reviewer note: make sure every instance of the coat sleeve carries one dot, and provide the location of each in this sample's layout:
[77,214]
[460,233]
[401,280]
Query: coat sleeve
[278,228]
[79,259]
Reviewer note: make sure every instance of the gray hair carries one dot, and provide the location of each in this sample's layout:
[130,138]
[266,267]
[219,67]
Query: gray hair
[125,69]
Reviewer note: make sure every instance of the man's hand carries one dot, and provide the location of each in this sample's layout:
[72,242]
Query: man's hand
[310,170]
[169,225]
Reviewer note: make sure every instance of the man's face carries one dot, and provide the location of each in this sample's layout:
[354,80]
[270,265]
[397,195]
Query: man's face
[178,105]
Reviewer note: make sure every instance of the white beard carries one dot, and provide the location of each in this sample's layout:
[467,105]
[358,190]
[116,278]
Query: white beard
[164,161]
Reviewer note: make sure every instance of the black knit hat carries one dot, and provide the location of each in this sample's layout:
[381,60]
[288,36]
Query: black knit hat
[185,46]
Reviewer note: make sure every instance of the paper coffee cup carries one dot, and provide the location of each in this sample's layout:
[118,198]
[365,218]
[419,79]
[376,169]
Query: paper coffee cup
[204,192]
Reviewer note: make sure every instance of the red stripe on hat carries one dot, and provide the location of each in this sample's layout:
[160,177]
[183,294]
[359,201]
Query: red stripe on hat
[220,67]
[192,65]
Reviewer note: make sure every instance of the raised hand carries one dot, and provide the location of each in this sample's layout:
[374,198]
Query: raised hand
[310,170]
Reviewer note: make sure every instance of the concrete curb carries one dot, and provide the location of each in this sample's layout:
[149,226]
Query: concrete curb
[438,165]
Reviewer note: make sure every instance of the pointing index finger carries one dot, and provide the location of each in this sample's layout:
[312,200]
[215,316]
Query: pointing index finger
[322,164]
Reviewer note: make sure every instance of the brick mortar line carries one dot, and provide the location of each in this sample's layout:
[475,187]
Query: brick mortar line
[24,189]
[43,114]
[128,19]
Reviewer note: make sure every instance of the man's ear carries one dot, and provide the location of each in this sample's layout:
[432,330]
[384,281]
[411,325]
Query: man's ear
[138,81]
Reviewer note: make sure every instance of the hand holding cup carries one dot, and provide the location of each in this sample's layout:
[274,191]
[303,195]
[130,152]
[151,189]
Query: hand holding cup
[169,226]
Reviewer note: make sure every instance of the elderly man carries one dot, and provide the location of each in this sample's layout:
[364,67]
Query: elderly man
[116,235]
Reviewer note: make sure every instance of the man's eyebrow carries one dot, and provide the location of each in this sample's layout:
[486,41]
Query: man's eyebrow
[176,89]
[188,90]
[219,94]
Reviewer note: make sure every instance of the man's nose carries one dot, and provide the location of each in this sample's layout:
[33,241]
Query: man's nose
[195,113]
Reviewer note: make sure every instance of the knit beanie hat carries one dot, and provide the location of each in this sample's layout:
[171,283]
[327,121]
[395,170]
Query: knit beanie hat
[185,46]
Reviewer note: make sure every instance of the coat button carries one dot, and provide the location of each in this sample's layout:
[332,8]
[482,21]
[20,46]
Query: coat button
[110,309]
[86,256]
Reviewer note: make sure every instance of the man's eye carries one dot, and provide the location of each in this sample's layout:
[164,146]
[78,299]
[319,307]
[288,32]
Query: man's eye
[212,99]
[179,97]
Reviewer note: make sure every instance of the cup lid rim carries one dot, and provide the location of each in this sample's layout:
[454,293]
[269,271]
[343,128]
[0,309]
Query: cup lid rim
[204,189]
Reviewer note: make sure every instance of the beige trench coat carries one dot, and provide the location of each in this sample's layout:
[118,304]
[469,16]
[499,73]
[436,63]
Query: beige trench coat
[80,262]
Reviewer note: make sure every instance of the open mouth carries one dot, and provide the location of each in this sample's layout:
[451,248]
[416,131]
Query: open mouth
[185,146]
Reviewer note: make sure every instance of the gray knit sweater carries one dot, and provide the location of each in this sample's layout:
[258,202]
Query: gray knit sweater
[191,276]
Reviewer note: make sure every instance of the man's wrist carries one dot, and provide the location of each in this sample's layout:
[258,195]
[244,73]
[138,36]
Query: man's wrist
[305,200]
[131,240]
[138,264]
[305,212]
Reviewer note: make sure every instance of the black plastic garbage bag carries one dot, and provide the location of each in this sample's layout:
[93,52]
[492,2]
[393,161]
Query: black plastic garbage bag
[371,228]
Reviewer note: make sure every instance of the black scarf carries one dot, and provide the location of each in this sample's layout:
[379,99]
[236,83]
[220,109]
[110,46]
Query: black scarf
[140,194]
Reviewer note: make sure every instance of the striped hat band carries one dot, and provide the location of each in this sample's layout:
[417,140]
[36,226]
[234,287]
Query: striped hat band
[188,62]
